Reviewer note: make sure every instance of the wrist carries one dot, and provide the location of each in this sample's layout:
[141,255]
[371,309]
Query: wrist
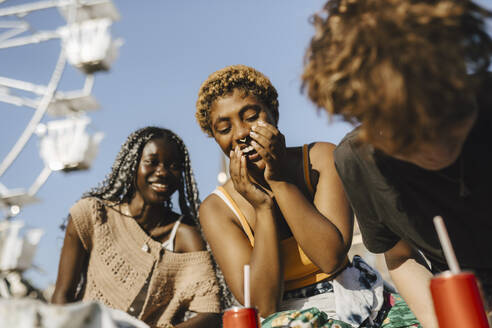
[276,172]
[266,207]
[278,184]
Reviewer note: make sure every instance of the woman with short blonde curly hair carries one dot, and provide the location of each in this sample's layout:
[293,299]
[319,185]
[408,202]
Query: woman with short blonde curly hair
[283,212]
[247,79]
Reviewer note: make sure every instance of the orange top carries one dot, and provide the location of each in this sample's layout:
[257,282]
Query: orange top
[299,270]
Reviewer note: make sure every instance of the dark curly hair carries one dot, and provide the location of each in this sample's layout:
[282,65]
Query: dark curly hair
[404,69]
[226,80]
[119,185]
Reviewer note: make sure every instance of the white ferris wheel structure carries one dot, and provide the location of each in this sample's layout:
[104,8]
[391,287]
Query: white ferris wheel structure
[59,119]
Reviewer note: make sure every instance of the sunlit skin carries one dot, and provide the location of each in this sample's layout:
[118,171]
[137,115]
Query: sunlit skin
[267,187]
[158,177]
[236,122]
[234,119]
[441,153]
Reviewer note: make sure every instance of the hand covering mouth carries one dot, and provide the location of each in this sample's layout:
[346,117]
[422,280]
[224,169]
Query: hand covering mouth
[248,150]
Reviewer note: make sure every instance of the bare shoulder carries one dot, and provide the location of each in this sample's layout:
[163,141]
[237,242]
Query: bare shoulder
[321,155]
[189,239]
[219,222]
[213,216]
[213,211]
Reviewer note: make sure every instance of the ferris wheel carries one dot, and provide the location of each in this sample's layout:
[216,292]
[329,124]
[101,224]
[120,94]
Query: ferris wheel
[65,143]
[86,43]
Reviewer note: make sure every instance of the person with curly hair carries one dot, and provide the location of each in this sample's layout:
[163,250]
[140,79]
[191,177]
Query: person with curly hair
[126,248]
[413,74]
[283,212]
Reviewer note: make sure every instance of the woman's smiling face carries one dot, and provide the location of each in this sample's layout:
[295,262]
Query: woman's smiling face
[232,118]
[159,171]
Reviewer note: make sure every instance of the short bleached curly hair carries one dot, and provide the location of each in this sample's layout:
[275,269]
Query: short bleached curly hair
[404,69]
[224,81]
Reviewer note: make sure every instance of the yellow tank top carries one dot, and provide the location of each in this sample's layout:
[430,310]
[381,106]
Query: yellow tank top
[299,271]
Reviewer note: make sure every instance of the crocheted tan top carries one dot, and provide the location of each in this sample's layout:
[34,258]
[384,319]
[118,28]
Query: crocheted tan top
[119,268]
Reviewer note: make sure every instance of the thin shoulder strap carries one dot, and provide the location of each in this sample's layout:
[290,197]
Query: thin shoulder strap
[224,195]
[169,244]
[305,166]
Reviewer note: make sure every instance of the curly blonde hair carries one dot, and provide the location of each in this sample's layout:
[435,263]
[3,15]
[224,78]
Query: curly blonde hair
[404,69]
[225,81]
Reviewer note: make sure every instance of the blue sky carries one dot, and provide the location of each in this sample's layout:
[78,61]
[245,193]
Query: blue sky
[169,48]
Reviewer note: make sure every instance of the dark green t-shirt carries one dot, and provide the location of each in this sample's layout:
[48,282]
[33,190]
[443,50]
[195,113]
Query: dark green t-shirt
[395,200]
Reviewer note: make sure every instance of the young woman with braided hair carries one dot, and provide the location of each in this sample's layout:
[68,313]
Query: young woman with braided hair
[129,250]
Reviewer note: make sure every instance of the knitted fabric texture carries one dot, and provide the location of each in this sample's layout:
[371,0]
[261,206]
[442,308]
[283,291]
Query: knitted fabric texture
[118,268]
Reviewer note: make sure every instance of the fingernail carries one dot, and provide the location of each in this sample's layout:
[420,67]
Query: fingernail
[261,123]
[253,134]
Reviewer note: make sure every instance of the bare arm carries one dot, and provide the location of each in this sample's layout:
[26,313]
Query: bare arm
[329,216]
[73,260]
[232,249]
[412,279]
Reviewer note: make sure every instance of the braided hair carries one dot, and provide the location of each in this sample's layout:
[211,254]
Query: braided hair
[119,184]
[119,187]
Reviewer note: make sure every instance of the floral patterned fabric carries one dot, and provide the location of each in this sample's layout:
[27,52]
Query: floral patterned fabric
[400,315]
[395,314]
[354,296]
[309,318]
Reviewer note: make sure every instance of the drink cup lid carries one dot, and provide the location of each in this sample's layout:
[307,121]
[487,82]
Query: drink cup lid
[239,308]
[448,274]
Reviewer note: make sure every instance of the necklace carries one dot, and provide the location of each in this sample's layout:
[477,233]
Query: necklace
[463,189]
[145,246]
[125,210]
